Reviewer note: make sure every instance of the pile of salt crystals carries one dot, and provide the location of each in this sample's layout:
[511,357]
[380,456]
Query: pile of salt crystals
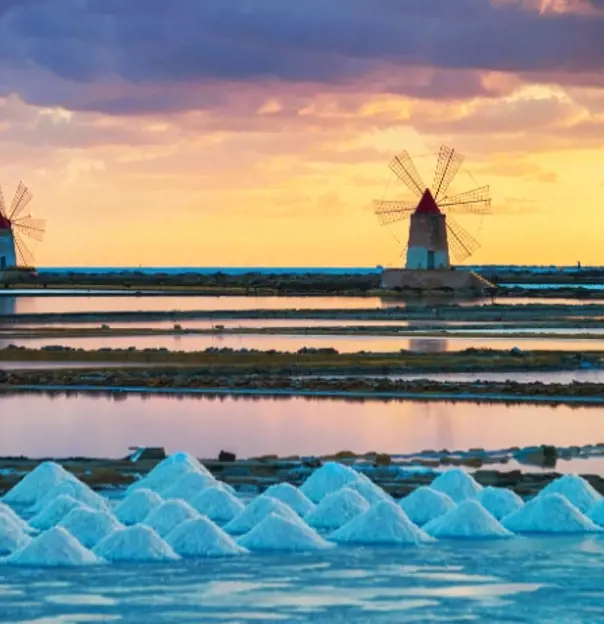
[331,477]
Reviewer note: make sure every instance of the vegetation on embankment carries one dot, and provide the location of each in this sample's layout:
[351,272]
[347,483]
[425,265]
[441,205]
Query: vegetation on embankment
[313,361]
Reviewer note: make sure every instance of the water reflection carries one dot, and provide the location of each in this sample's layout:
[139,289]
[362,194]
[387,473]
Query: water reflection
[106,426]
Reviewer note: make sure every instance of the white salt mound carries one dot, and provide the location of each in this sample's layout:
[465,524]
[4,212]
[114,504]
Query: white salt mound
[468,520]
[425,504]
[383,524]
[456,484]
[54,512]
[371,492]
[292,496]
[138,543]
[137,506]
[76,489]
[89,526]
[5,510]
[276,533]
[331,477]
[577,490]
[500,502]
[169,515]
[256,511]
[37,483]
[53,548]
[188,486]
[12,537]
[217,504]
[200,537]
[337,509]
[549,513]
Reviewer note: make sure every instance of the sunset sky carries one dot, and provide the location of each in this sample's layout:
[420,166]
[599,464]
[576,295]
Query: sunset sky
[257,132]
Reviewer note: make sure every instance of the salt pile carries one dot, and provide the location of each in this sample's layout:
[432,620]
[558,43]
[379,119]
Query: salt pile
[468,520]
[169,515]
[12,537]
[337,509]
[577,490]
[37,483]
[54,548]
[89,526]
[457,484]
[328,479]
[169,471]
[200,537]
[137,543]
[500,502]
[188,486]
[5,510]
[74,488]
[292,496]
[276,533]
[217,504]
[256,511]
[596,513]
[54,512]
[549,513]
[137,506]
[371,492]
[425,504]
[383,524]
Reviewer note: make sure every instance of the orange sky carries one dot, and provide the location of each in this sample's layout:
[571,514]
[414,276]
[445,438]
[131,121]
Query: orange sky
[282,172]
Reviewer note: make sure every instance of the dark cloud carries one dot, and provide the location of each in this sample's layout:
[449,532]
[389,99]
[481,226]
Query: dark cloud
[155,42]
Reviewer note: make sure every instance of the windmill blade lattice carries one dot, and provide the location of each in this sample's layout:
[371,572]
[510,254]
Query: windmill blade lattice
[476,201]
[402,165]
[392,211]
[447,167]
[461,242]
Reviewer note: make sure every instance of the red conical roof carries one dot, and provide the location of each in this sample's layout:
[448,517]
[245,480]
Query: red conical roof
[4,223]
[427,205]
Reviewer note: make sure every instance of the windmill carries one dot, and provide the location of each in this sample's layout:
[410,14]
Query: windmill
[432,230]
[15,226]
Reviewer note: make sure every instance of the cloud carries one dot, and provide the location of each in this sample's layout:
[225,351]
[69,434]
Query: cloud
[145,52]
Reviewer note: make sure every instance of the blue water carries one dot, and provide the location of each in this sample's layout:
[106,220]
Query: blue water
[524,580]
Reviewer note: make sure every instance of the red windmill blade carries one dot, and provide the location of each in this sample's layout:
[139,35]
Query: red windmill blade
[15,227]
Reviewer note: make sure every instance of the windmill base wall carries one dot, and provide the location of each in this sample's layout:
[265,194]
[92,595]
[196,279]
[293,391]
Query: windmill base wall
[422,258]
[446,281]
[8,258]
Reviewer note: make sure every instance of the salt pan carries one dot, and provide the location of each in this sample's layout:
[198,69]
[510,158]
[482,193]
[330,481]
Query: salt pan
[500,502]
[12,537]
[384,524]
[331,477]
[76,489]
[54,512]
[468,520]
[337,509]
[37,483]
[457,484]
[217,504]
[137,506]
[256,511]
[549,513]
[200,537]
[53,548]
[425,504]
[89,526]
[292,496]
[169,515]
[188,486]
[577,490]
[137,543]
[276,533]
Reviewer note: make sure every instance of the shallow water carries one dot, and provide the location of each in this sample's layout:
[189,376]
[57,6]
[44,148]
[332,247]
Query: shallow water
[343,343]
[449,582]
[60,425]
[47,303]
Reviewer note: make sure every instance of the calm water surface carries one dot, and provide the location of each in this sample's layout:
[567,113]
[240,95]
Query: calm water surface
[103,426]
[344,344]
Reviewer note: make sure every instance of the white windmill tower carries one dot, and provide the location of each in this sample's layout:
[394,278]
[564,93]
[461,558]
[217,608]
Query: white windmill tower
[15,225]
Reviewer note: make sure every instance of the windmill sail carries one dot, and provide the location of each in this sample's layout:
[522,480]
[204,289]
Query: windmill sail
[392,211]
[403,167]
[476,201]
[462,243]
[449,162]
